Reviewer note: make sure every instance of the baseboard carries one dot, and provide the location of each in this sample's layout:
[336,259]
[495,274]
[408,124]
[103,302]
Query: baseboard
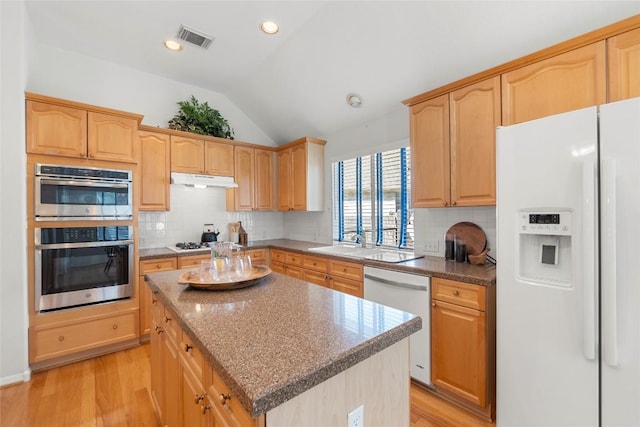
[17,378]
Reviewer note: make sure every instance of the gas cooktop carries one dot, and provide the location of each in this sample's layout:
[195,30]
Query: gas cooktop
[189,247]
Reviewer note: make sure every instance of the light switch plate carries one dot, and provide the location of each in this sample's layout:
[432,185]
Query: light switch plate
[431,246]
[356,417]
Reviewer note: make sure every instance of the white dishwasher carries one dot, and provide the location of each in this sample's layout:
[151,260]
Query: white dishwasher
[410,293]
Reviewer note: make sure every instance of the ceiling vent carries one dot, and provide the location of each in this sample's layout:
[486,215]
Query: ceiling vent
[194,37]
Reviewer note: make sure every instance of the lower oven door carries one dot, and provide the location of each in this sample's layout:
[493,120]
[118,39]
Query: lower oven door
[73,274]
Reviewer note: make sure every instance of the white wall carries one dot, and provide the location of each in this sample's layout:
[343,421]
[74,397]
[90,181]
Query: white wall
[13,250]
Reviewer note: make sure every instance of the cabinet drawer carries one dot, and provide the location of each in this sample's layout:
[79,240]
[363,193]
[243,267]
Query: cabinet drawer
[316,277]
[279,256]
[192,356]
[83,335]
[192,260]
[278,267]
[160,264]
[460,293]
[293,271]
[315,263]
[258,256]
[348,286]
[293,258]
[225,402]
[347,270]
[170,326]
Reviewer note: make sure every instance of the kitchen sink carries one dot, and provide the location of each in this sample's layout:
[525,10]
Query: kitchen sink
[375,253]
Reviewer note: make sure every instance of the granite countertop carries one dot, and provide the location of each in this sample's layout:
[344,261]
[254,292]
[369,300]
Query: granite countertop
[270,342]
[428,266]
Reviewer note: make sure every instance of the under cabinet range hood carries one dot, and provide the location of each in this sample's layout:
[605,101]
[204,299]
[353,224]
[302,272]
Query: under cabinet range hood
[195,180]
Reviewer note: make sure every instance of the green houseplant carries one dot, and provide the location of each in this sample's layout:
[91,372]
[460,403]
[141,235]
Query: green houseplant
[200,118]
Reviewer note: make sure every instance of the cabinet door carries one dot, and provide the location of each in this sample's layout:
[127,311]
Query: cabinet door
[112,138]
[244,176]
[155,167]
[566,82]
[624,65]
[55,130]
[193,398]
[284,180]
[157,372]
[299,177]
[172,381]
[263,180]
[316,278]
[187,155]
[430,169]
[475,114]
[219,158]
[348,286]
[459,351]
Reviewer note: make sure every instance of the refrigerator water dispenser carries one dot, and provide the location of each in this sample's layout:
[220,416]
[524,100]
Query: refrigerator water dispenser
[544,247]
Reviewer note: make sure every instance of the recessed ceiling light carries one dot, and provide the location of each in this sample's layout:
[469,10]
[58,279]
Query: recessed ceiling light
[269,27]
[172,45]
[354,100]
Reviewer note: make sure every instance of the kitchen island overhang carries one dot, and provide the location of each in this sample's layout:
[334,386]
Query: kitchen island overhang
[276,340]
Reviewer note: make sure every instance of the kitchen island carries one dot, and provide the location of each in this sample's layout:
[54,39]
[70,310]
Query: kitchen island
[291,352]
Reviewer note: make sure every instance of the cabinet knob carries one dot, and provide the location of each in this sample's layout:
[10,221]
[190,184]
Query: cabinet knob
[92,155]
[456,293]
[199,397]
[433,304]
[167,319]
[187,347]
[158,266]
[61,338]
[205,408]
[159,329]
[153,301]
[444,203]
[115,327]
[224,398]
[453,203]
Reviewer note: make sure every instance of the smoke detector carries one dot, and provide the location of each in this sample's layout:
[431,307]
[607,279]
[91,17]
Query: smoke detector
[194,37]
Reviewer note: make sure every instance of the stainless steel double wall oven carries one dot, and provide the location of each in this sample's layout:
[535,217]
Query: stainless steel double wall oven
[79,265]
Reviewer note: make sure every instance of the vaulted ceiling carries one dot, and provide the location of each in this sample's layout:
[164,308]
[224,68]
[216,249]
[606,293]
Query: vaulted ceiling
[296,81]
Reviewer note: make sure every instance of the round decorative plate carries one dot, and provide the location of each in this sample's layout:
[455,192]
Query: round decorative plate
[192,278]
[472,234]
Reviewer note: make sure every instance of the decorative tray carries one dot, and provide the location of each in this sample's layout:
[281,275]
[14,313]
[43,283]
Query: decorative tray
[192,278]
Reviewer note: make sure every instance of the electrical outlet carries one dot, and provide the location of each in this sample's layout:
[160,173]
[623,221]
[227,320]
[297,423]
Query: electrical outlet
[356,417]
[431,246]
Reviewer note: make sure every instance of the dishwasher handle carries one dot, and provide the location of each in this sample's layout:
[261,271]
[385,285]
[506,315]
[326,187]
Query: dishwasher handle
[394,283]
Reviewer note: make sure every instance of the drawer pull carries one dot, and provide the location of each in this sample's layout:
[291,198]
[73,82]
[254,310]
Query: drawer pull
[153,301]
[456,293]
[158,266]
[199,397]
[205,408]
[61,338]
[433,304]
[159,329]
[167,319]
[188,347]
[115,326]
[224,398]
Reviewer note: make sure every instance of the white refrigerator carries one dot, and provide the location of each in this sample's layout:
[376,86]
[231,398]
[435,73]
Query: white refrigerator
[568,273]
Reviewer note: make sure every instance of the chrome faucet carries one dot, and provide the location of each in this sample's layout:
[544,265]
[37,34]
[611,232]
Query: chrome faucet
[359,238]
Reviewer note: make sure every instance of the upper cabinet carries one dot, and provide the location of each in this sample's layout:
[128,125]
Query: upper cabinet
[192,155]
[565,82]
[453,147]
[624,65]
[154,171]
[301,175]
[254,176]
[63,128]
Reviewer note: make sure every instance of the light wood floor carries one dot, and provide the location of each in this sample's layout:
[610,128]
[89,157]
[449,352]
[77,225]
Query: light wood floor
[113,390]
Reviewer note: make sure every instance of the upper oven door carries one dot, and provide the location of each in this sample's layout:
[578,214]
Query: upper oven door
[60,199]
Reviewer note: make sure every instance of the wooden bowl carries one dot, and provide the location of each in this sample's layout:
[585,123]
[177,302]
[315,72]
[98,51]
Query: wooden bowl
[479,259]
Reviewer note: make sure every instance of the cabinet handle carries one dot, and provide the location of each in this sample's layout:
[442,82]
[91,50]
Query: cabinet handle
[444,203]
[456,293]
[115,327]
[199,397]
[61,338]
[188,347]
[433,304]
[205,408]
[92,155]
[158,266]
[153,301]
[224,398]
[159,329]
[453,203]
[167,319]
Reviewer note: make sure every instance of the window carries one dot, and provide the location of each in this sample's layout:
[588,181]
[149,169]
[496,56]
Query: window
[371,195]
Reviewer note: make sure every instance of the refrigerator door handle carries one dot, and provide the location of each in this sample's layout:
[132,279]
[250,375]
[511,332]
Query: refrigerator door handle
[589,254]
[608,263]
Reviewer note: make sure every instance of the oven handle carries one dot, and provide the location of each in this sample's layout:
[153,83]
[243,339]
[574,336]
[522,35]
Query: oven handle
[87,183]
[85,244]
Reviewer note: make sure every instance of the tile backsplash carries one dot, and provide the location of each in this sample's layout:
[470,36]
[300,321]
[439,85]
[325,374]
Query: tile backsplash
[191,208]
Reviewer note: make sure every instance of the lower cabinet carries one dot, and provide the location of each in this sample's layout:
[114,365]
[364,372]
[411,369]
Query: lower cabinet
[341,276]
[146,299]
[289,263]
[463,344]
[185,389]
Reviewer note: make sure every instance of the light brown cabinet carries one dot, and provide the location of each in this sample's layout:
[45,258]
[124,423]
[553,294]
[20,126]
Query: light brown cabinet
[565,82]
[463,343]
[64,130]
[301,175]
[155,168]
[146,298]
[284,262]
[193,260]
[453,147]
[338,275]
[254,176]
[623,53]
[192,155]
